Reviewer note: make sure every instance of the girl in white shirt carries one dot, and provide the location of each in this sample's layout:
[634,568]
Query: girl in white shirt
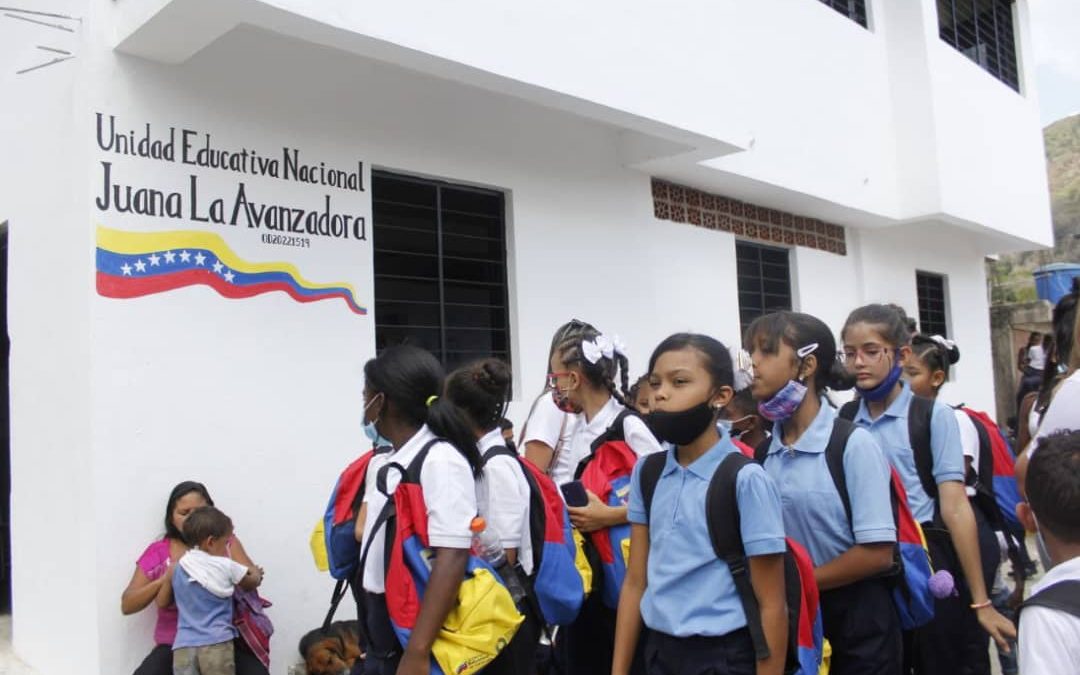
[481,391]
[583,368]
[403,409]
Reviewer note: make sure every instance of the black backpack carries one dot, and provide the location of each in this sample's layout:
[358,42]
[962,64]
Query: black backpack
[1064,596]
[722,521]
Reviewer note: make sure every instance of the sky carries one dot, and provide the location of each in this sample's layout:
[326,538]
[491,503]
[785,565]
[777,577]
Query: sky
[1055,35]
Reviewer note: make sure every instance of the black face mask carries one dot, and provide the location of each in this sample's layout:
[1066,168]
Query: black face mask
[682,427]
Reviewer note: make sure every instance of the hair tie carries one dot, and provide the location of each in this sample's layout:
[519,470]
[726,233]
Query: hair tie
[431,399]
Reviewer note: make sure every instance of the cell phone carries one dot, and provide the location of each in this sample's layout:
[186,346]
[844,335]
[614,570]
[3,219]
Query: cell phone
[574,493]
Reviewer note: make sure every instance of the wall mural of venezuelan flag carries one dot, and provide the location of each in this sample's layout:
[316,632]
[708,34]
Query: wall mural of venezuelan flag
[135,264]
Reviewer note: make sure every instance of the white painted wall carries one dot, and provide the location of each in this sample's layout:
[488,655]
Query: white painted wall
[865,127]
[115,401]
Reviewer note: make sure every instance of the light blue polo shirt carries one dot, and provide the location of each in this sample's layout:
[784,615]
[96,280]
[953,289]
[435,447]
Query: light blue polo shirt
[891,432]
[813,511]
[690,591]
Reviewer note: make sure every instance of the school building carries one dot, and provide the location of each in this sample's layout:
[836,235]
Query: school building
[218,210]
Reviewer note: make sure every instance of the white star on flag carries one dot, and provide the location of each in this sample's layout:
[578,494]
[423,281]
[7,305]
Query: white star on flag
[154,260]
[127,269]
[185,256]
[200,259]
[229,276]
[218,266]
[170,256]
[140,266]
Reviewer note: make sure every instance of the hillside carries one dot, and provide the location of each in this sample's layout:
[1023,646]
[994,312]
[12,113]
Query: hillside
[1011,276]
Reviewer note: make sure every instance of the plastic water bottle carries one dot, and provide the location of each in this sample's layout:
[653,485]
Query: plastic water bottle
[486,545]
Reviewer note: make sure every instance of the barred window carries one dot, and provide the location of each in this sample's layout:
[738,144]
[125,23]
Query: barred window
[852,9]
[982,30]
[933,311]
[764,280]
[440,268]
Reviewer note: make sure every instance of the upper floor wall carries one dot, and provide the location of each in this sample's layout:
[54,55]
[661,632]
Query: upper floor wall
[787,102]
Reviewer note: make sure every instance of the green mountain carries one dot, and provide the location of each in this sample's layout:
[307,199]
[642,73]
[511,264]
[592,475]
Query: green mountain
[1010,277]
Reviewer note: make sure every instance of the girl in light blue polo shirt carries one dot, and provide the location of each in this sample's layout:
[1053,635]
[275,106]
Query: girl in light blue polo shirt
[794,359]
[675,584]
[877,343]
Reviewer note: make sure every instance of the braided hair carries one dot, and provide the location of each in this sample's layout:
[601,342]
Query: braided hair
[602,373]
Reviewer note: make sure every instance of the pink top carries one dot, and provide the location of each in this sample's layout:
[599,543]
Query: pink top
[154,563]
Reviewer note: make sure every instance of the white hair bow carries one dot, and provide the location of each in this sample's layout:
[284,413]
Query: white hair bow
[945,342]
[743,368]
[602,346]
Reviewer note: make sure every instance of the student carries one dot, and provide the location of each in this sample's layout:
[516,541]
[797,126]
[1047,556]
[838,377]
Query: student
[927,371]
[203,583]
[584,365]
[1049,637]
[675,583]
[403,409]
[552,420]
[876,346]
[742,419]
[481,391]
[639,395]
[506,427]
[794,357]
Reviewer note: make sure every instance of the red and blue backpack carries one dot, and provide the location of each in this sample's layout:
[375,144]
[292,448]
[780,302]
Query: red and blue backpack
[606,473]
[557,589]
[483,620]
[339,520]
[805,638]
[996,491]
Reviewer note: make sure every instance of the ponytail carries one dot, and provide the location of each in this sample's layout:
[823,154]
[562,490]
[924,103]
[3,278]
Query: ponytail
[412,380]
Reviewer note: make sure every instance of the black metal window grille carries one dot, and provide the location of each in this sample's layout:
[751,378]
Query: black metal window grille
[933,314]
[764,280]
[440,268]
[852,9]
[982,30]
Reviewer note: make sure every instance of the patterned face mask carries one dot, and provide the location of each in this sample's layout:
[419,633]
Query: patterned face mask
[785,402]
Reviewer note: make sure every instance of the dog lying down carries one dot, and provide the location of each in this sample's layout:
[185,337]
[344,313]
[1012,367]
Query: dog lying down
[332,651]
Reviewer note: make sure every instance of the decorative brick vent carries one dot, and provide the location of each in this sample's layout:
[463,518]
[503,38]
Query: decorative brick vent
[688,205]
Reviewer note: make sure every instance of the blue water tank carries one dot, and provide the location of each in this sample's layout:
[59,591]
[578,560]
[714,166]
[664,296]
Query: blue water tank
[1054,281]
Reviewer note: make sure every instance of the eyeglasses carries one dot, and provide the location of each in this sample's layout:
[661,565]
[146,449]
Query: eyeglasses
[553,378]
[871,354]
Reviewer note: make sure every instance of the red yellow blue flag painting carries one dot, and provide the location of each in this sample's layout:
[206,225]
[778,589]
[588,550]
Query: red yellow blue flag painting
[135,264]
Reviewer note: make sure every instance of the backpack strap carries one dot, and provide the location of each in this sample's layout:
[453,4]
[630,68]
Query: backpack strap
[498,450]
[849,410]
[920,414]
[651,468]
[1064,596]
[615,432]
[834,459]
[723,522]
[762,450]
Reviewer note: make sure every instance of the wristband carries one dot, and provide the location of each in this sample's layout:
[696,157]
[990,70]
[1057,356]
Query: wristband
[981,605]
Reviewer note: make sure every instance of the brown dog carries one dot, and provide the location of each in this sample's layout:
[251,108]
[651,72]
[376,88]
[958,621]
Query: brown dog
[332,651]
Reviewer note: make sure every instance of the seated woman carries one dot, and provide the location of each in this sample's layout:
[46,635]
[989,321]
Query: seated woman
[152,583]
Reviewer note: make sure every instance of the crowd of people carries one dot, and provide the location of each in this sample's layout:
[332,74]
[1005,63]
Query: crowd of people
[804,474]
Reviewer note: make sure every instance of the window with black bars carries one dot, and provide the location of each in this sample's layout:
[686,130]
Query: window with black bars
[764,280]
[933,313]
[982,30]
[852,9]
[440,268]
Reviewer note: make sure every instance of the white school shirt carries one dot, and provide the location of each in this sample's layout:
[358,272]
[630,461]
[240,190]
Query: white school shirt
[503,497]
[636,433]
[1050,639]
[449,494]
[556,429]
[1036,357]
[969,442]
[1063,413]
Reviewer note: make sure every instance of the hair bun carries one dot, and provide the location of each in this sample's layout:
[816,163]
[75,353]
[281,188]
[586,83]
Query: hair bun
[493,375]
[840,378]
